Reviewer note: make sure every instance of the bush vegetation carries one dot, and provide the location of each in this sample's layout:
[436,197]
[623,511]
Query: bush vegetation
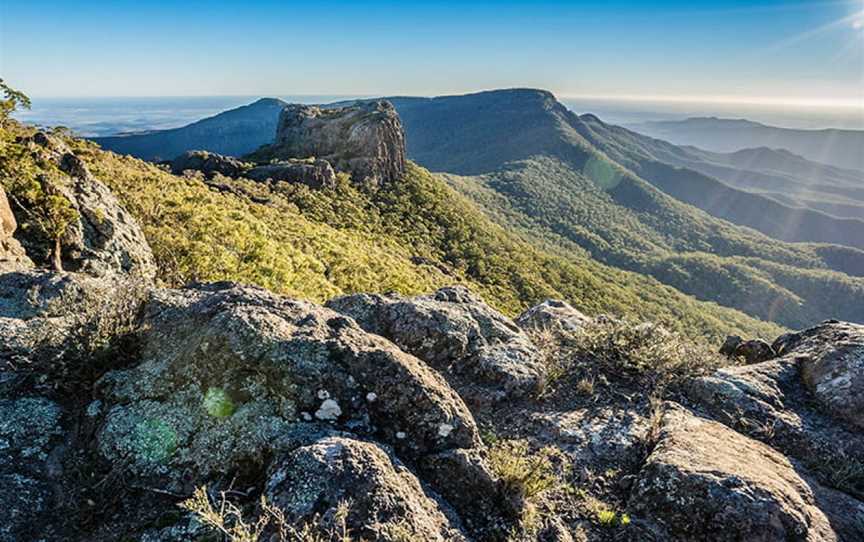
[33,185]
[409,237]
[571,184]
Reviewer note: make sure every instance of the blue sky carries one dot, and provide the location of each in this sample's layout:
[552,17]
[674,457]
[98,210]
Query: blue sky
[794,51]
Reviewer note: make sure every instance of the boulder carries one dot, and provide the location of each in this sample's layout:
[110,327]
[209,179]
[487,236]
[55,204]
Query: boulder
[313,173]
[44,316]
[553,315]
[479,497]
[752,351]
[208,163]
[383,500]
[456,332]
[831,358]
[704,481]
[231,374]
[103,237]
[12,255]
[365,140]
[767,401]
[730,344]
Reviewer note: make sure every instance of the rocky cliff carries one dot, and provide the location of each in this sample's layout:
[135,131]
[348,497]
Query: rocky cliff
[12,255]
[365,140]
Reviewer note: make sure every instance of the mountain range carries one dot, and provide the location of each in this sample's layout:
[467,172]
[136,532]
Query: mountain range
[580,188]
[841,148]
[323,340]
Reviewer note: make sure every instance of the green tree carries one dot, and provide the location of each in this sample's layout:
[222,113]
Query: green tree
[12,101]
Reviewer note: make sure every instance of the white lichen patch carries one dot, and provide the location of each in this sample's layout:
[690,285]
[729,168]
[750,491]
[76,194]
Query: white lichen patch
[323,394]
[401,435]
[329,410]
[371,397]
[444,430]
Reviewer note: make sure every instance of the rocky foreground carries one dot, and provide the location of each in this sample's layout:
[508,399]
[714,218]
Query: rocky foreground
[129,411]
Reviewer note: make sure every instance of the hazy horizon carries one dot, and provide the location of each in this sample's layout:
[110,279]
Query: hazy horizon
[785,53]
[108,115]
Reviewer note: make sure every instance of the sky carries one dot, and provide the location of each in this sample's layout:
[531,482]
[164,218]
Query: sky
[795,52]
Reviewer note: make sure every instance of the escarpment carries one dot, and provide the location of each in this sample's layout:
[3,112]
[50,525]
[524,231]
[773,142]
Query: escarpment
[312,144]
[366,140]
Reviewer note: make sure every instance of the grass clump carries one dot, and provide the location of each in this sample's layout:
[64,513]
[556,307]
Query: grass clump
[526,475]
[229,520]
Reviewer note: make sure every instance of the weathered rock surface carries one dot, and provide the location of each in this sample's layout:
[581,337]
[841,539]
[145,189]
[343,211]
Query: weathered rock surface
[704,481]
[208,163]
[313,173]
[12,255]
[454,331]
[607,436]
[229,372]
[44,314]
[770,401]
[552,315]
[831,357]
[104,238]
[31,438]
[479,497]
[387,502]
[366,140]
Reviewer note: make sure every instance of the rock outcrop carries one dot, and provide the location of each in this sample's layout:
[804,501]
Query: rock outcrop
[208,163]
[366,140]
[388,502]
[456,332]
[553,315]
[12,255]
[831,359]
[313,173]
[103,237]
[775,402]
[752,351]
[228,372]
[152,396]
[704,481]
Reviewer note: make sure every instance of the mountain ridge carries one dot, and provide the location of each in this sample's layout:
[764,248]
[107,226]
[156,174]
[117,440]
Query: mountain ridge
[834,146]
[609,212]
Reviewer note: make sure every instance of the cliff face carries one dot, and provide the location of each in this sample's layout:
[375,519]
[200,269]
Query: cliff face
[366,140]
[12,255]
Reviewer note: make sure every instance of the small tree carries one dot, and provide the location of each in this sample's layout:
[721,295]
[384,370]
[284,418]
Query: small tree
[33,190]
[58,215]
[12,101]
[50,212]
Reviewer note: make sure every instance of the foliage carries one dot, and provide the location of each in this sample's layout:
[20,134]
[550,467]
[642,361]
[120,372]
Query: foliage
[12,101]
[409,237]
[525,474]
[645,351]
[35,187]
[611,518]
[638,228]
